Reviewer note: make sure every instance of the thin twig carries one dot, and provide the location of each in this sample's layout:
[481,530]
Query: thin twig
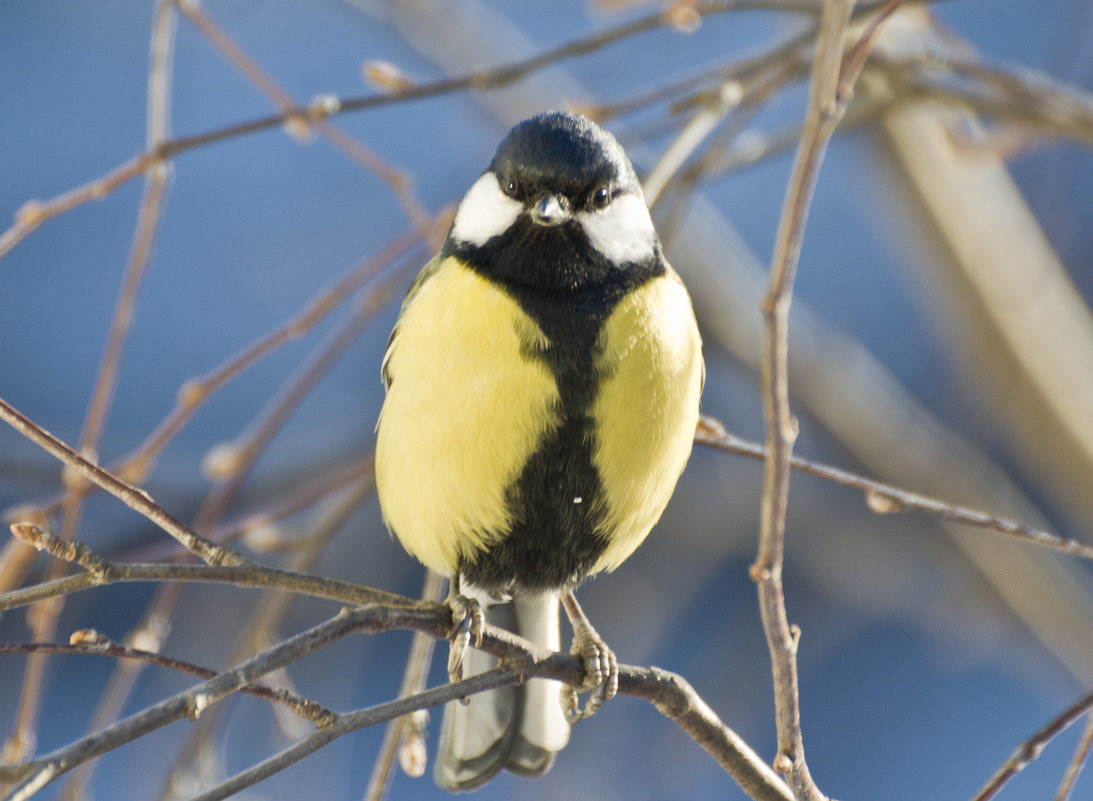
[500,676]
[671,694]
[133,497]
[396,180]
[233,461]
[138,465]
[305,708]
[1031,748]
[196,391]
[1077,762]
[821,119]
[888,499]
[243,575]
[404,736]
[259,631]
[35,212]
[257,528]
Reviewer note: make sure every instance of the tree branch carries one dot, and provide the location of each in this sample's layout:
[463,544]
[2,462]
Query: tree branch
[249,574]
[37,773]
[1033,747]
[379,611]
[88,644]
[884,498]
[827,101]
[33,213]
[133,497]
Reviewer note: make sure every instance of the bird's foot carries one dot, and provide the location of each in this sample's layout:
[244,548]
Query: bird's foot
[468,622]
[601,668]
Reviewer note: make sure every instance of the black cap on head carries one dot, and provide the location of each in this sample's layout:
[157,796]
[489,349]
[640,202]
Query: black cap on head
[563,152]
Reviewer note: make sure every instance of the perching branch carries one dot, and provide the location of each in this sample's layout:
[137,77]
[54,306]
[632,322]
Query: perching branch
[671,694]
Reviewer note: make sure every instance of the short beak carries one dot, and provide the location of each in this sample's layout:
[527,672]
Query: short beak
[549,210]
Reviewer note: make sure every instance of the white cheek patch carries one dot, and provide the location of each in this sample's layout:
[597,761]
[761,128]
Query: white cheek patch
[484,212]
[623,232]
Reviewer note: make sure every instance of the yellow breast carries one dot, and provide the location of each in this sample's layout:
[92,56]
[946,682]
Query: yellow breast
[646,410]
[465,407]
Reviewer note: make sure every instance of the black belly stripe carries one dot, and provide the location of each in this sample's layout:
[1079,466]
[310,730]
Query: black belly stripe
[557,502]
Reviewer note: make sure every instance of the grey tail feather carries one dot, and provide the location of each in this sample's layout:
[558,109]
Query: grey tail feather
[480,738]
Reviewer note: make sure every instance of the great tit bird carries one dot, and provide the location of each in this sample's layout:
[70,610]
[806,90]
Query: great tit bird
[543,382]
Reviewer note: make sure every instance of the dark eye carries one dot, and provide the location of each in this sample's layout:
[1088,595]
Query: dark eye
[508,185]
[600,198]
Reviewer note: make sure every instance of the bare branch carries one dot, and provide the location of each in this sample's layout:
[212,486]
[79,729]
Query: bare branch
[405,736]
[1033,747]
[37,773]
[500,676]
[382,611]
[884,498]
[305,708]
[35,212]
[825,107]
[133,497]
[232,461]
[247,574]
[396,180]
[137,466]
[672,695]
[1077,762]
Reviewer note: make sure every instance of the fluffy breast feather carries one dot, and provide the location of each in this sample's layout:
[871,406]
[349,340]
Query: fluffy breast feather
[646,410]
[465,406]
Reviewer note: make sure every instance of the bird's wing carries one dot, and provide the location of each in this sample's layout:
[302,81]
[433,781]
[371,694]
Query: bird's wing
[427,272]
